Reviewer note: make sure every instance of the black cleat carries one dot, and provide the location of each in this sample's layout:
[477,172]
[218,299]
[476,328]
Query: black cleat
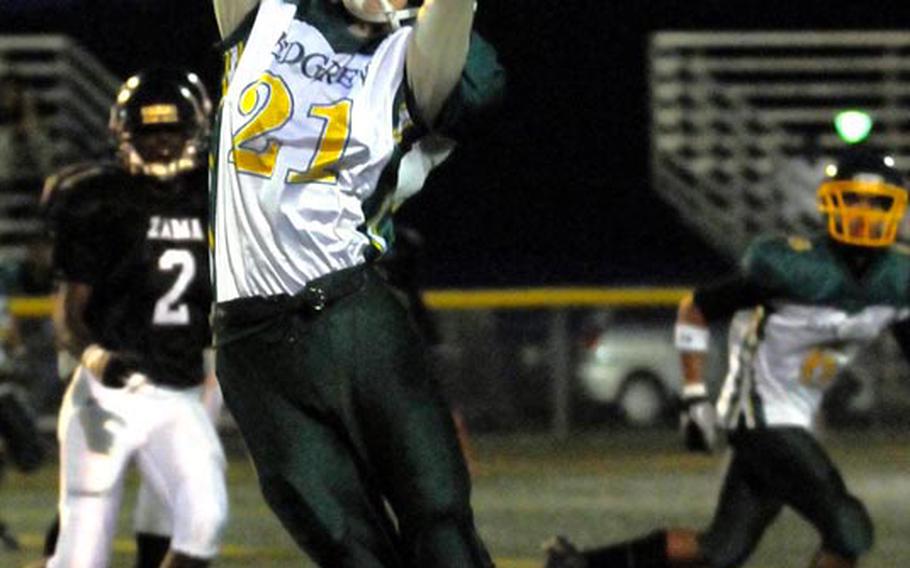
[561,553]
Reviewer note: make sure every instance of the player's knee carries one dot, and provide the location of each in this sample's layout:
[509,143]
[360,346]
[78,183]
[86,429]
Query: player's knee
[294,510]
[439,522]
[200,539]
[448,540]
[852,532]
[316,525]
[199,524]
[438,507]
[279,495]
[213,514]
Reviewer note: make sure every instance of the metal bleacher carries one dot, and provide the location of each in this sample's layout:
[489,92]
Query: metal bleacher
[70,92]
[742,121]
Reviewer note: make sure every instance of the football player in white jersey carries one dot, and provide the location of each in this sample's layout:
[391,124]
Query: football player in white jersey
[318,361]
[810,305]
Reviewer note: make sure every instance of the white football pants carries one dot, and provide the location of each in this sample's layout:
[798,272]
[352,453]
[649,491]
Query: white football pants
[151,515]
[177,450]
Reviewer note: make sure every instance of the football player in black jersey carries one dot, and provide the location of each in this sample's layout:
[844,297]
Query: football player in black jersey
[131,256]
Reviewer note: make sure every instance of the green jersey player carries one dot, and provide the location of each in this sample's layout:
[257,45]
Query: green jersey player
[813,303]
[319,363]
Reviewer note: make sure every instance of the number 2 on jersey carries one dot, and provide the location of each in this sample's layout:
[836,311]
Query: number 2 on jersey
[268,104]
[169,310]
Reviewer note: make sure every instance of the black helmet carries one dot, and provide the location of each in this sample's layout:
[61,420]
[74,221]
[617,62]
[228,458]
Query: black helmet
[858,162]
[160,122]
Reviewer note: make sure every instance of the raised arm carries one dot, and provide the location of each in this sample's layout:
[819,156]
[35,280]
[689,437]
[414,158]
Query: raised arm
[230,13]
[437,53]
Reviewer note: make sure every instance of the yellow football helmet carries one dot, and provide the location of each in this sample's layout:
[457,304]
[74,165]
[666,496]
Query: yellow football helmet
[864,198]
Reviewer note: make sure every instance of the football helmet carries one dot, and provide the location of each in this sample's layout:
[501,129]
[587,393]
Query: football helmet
[864,197]
[160,123]
[366,10]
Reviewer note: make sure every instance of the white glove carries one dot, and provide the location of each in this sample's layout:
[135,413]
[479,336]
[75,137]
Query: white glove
[698,420]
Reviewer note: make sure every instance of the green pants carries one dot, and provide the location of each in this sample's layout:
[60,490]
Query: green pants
[773,467]
[340,417]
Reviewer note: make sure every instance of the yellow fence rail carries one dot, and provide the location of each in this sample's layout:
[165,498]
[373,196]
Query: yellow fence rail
[31,306]
[502,298]
[530,298]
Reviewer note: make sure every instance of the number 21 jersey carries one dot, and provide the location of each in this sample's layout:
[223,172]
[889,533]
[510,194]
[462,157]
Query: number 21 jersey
[304,134]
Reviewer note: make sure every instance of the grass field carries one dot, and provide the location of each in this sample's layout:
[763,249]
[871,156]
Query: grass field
[596,488]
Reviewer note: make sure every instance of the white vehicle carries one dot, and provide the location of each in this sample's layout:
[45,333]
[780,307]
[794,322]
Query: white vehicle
[636,369]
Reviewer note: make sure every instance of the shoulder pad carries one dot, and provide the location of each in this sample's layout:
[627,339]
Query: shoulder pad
[777,244]
[763,243]
[77,178]
[901,248]
[78,185]
[766,252]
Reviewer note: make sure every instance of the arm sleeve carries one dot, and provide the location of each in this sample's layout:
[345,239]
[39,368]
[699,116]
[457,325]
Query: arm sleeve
[477,96]
[437,54]
[722,299]
[79,246]
[754,285]
[757,283]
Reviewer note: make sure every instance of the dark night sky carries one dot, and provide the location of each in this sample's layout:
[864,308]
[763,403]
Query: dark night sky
[557,190]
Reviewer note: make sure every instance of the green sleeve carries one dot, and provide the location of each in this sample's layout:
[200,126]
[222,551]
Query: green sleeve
[477,96]
[760,263]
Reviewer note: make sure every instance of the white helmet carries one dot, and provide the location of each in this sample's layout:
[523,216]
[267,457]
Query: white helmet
[388,15]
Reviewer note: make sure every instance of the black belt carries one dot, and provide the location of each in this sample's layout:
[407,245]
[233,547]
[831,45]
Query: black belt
[316,296]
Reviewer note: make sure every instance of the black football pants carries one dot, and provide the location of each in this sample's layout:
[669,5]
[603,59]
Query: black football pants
[773,467]
[340,415]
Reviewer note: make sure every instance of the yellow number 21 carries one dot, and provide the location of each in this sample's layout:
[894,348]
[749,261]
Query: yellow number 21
[267,104]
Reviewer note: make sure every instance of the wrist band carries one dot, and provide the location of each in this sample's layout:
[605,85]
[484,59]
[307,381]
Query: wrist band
[694,390]
[688,337]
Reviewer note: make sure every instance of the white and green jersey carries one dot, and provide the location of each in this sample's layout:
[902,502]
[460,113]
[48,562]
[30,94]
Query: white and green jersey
[305,132]
[785,354]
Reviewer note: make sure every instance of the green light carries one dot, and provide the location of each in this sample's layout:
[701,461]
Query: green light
[853,126]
